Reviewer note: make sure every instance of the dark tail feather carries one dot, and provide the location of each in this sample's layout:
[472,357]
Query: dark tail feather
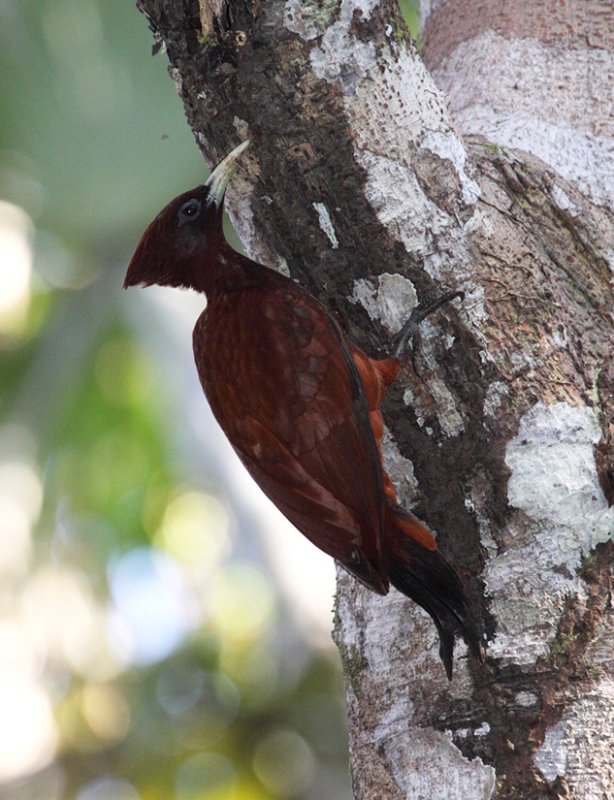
[424,575]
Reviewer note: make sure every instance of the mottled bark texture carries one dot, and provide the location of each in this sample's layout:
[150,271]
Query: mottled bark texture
[500,432]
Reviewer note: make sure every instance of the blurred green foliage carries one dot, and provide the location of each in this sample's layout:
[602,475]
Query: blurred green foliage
[144,650]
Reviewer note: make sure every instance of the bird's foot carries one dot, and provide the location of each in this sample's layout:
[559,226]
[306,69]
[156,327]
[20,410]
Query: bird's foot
[418,315]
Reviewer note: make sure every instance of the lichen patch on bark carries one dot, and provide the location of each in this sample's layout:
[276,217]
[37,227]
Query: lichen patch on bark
[575,748]
[390,299]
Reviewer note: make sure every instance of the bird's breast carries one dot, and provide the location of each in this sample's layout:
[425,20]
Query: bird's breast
[270,356]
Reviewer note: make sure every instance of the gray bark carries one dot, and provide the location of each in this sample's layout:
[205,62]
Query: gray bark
[359,185]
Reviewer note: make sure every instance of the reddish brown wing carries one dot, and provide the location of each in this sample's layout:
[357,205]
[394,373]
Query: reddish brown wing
[283,386]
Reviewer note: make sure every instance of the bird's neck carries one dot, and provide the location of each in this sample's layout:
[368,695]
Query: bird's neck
[227,271]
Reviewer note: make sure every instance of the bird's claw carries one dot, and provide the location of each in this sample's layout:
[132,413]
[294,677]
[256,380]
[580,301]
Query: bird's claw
[418,315]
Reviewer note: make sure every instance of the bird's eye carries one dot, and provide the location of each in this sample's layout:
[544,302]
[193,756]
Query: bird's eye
[189,211]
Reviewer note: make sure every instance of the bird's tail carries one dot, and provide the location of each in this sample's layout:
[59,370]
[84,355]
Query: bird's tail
[418,569]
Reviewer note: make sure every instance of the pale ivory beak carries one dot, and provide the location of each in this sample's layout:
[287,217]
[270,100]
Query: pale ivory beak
[221,175]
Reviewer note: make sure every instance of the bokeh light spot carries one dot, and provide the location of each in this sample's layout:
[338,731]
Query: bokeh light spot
[180,687]
[60,267]
[15,267]
[195,528]
[27,729]
[21,497]
[19,481]
[108,788]
[15,540]
[151,604]
[243,603]
[53,596]
[284,763]
[106,711]
[254,669]
[205,773]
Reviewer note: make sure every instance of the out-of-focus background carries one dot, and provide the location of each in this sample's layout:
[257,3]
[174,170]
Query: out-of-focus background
[163,631]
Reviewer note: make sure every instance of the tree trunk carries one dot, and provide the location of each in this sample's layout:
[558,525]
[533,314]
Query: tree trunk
[500,433]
